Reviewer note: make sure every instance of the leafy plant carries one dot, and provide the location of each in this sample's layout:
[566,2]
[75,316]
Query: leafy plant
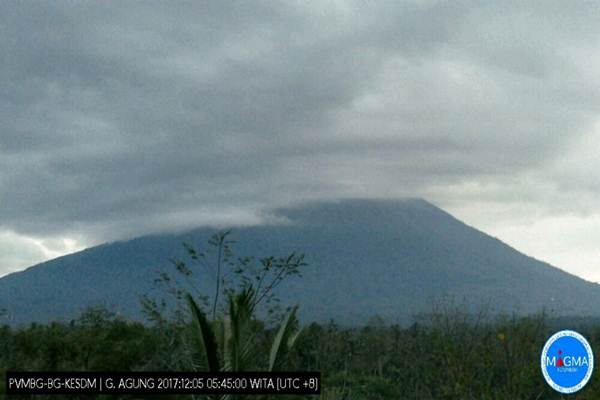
[229,274]
[236,343]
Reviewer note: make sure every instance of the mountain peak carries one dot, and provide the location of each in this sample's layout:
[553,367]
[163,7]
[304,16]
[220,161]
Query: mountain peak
[366,257]
[352,210]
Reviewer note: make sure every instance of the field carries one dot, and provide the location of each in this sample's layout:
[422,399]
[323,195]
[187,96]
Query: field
[448,356]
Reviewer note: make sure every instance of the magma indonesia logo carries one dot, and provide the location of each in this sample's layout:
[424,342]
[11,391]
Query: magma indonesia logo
[567,361]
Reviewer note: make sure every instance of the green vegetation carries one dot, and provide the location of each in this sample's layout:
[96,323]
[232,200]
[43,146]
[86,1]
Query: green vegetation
[448,354]
[450,357]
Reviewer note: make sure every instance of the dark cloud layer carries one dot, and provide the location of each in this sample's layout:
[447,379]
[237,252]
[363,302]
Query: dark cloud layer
[125,118]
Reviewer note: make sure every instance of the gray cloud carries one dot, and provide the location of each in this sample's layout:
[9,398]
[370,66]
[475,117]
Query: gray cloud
[126,118]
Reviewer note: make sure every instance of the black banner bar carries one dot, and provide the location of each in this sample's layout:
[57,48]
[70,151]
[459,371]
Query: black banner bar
[301,383]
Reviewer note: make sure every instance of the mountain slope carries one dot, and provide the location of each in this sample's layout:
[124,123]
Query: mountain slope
[367,257]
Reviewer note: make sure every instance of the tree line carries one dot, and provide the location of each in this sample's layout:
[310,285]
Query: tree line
[450,354]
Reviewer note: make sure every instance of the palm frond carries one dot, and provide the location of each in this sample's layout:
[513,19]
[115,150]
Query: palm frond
[284,339]
[205,335]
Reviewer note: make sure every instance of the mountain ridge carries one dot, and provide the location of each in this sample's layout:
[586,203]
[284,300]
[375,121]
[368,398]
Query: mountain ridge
[366,257]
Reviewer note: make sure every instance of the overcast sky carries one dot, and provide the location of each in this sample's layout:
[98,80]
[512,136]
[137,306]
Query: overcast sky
[125,118]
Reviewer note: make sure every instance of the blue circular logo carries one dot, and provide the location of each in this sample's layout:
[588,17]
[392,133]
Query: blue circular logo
[567,361]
